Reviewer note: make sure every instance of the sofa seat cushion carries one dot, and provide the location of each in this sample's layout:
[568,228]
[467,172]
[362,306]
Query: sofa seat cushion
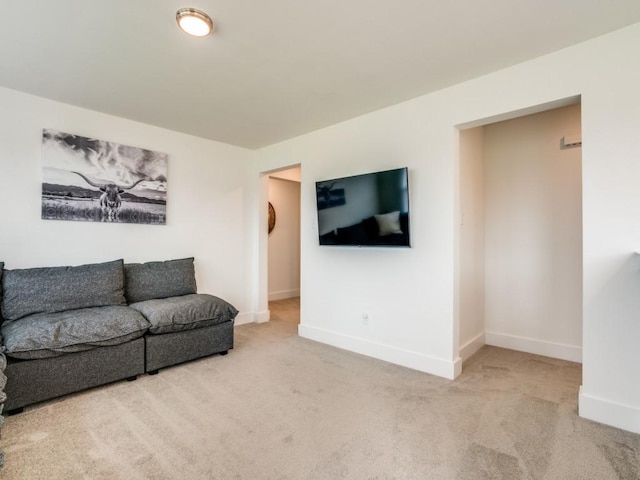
[186,312]
[46,335]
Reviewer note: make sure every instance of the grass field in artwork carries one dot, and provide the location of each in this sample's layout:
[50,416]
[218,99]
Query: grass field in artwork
[88,209]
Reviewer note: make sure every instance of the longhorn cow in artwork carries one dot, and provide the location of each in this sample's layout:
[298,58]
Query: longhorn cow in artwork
[111,199]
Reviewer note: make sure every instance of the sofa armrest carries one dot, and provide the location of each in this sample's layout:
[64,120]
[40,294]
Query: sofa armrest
[3,396]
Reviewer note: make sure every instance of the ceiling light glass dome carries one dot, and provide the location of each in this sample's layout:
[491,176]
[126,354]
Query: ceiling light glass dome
[194,22]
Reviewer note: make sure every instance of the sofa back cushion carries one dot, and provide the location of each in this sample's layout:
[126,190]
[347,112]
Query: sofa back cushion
[152,280]
[56,289]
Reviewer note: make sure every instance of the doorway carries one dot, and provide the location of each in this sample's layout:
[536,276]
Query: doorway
[283,258]
[520,235]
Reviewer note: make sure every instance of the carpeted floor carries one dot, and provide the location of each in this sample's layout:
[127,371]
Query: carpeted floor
[282,407]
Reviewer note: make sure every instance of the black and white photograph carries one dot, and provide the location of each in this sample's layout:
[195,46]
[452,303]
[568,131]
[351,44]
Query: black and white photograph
[91,180]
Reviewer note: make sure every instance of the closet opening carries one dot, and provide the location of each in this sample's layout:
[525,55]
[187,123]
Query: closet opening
[520,233]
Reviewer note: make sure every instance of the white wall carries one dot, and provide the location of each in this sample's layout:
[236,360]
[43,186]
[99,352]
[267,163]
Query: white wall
[471,260]
[406,294]
[533,234]
[411,294]
[207,201]
[284,240]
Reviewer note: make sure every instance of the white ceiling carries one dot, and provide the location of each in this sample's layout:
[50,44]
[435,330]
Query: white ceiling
[279,68]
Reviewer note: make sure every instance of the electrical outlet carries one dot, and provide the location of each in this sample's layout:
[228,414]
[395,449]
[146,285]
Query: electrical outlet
[365,319]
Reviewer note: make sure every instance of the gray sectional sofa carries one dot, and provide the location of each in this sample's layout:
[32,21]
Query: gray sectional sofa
[66,329]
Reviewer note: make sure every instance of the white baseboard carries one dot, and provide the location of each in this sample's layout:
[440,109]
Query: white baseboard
[284,294]
[252,317]
[457,367]
[472,346]
[262,317]
[243,318]
[608,412]
[538,347]
[406,358]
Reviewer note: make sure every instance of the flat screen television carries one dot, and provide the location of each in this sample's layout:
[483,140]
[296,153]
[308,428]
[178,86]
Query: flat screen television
[368,210]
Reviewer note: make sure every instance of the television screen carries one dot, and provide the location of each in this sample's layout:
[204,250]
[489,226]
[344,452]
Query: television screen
[369,210]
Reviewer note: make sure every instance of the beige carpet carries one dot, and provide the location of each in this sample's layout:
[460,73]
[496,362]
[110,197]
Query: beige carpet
[281,407]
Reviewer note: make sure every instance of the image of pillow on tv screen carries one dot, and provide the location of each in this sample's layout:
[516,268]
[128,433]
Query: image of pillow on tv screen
[388,223]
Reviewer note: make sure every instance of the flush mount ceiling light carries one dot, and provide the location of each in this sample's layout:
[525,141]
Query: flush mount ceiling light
[194,22]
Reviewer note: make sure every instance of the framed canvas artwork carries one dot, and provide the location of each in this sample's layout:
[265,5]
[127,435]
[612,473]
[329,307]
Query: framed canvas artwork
[86,179]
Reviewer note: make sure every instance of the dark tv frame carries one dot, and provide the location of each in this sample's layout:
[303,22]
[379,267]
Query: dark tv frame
[355,232]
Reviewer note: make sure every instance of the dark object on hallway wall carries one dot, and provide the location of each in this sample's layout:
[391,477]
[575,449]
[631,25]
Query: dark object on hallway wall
[272,217]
